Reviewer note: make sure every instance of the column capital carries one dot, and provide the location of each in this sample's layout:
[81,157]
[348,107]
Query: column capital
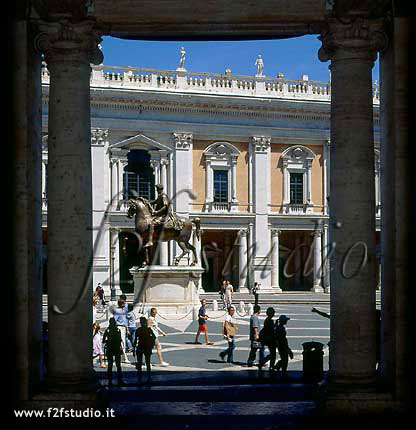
[261,143]
[99,136]
[316,233]
[183,140]
[243,232]
[154,163]
[276,232]
[68,42]
[359,38]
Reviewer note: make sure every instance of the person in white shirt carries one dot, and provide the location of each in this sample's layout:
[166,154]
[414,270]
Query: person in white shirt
[229,329]
[228,294]
[153,324]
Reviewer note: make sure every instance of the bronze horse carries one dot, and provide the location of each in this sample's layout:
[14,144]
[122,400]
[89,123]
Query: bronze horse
[141,208]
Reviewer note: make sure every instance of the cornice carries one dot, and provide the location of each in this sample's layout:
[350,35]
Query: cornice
[215,109]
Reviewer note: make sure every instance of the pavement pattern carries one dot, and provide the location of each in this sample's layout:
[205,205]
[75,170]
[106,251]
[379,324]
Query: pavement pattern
[199,391]
[179,350]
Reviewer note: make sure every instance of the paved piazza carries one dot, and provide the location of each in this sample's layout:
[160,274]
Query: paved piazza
[182,355]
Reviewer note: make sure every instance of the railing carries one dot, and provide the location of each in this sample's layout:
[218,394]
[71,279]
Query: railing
[220,207]
[139,78]
[296,209]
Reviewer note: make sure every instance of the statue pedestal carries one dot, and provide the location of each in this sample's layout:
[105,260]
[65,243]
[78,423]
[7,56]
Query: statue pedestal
[173,290]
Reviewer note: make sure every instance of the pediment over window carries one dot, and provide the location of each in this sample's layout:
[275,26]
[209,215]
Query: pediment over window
[297,154]
[139,141]
[221,151]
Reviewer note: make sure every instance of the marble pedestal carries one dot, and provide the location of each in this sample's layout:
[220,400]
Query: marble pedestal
[173,290]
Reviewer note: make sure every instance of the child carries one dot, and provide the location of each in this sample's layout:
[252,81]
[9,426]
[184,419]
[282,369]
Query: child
[97,344]
[143,344]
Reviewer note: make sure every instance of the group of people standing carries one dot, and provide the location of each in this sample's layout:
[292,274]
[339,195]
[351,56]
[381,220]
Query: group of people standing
[226,293]
[123,336]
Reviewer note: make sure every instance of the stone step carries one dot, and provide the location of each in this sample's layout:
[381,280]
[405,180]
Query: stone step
[205,408]
[261,392]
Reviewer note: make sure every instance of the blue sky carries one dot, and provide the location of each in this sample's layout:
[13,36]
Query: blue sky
[293,57]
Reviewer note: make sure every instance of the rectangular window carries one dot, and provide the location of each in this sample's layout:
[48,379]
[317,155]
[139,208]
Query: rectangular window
[137,185]
[296,188]
[221,186]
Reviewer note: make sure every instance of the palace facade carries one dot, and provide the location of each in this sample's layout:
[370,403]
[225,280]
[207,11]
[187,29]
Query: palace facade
[249,156]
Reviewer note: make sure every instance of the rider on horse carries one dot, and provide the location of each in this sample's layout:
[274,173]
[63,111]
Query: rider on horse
[162,214]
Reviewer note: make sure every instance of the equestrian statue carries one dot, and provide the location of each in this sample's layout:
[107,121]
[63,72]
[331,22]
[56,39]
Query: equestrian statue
[156,221]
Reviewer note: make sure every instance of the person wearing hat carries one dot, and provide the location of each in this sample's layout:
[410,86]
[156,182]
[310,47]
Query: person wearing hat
[282,345]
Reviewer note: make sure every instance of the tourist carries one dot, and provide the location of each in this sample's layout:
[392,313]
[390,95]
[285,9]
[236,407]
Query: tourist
[112,340]
[143,345]
[222,293]
[229,330]
[131,329]
[255,292]
[153,324]
[97,346]
[120,316]
[282,345]
[254,337]
[99,292]
[202,324]
[228,294]
[267,338]
[94,308]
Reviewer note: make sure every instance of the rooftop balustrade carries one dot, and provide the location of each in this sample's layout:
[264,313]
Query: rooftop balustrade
[135,78]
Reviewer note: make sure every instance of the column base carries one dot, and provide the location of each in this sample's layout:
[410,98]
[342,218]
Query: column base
[244,290]
[317,289]
[337,399]
[87,402]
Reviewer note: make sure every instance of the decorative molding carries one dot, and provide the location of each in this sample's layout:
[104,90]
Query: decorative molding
[359,38]
[276,232]
[99,136]
[261,143]
[183,141]
[69,42]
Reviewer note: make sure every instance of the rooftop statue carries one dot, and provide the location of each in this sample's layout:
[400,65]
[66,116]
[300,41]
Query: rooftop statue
[157,220]
[260,66]
[182,58]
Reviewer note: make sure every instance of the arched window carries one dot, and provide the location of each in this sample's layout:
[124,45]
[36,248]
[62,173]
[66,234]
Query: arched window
[297,179]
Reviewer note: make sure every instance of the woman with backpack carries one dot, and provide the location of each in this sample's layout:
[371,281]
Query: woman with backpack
[114,350]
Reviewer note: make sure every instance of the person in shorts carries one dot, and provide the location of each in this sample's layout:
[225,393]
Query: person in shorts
[153,324]
[202,321]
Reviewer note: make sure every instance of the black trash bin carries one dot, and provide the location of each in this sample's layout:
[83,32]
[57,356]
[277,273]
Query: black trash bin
[313,361]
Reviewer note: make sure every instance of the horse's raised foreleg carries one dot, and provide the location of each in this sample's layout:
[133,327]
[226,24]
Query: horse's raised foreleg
[185,251]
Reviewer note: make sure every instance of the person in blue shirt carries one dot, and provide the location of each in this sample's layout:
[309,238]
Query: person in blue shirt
[202,321]
[120,316]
